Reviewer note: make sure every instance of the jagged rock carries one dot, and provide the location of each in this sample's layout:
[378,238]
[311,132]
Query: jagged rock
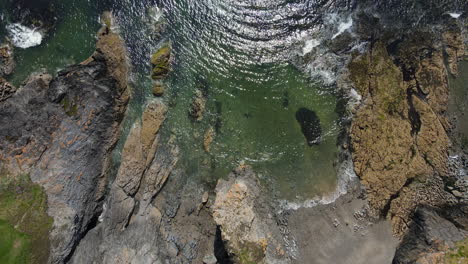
[239,211]
[34,14]
[454,48]
[398,135]
[205,197]
[430,235]
[141,212]
[210,259]
[7,61]
[6,89]
[137,155]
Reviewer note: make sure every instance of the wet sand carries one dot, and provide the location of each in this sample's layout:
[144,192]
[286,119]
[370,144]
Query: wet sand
[341,233]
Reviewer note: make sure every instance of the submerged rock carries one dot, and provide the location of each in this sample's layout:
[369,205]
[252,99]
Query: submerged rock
[197,107]
[310,125]
[30,21]
[158,89]
[208,139]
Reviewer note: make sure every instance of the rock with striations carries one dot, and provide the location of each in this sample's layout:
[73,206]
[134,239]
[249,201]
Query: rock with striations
[62,132]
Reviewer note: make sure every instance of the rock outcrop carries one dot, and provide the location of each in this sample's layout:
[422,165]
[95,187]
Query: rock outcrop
[161,62]
[399,136]
[7,61]
[7,90]
[61,131]
[400,133]
[142,222]
[248,228]
[432,234]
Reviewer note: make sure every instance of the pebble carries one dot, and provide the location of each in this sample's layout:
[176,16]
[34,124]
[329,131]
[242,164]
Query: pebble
[205,197]
[210,259]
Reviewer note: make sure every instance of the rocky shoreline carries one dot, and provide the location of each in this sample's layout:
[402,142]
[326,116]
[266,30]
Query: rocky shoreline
[407,206]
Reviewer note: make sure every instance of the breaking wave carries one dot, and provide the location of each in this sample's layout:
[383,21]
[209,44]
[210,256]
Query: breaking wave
[24,37]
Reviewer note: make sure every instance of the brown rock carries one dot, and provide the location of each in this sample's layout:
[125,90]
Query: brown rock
[111,47]
[158,89]
[6,89]
[7,62]
[398,134]
[197,107]
[138,150]
[454,48]
[208,139]
[235,211]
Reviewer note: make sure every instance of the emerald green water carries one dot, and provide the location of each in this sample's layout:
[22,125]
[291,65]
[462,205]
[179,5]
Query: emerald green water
[253,92]
[239,56]
[255,115]
[71,41]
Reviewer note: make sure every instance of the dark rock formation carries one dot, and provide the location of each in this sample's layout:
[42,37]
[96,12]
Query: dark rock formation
[6,89]
[37,14]
[7,61]
[61,131]
[310,125]
[432,232]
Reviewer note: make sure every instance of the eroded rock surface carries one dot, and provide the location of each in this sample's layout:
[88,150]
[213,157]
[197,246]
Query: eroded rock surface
[400,135]
[61,131]
[431,234]
[247,225]
[143,222]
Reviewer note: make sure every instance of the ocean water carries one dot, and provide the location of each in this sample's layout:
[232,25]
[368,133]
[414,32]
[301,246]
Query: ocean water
[243,55]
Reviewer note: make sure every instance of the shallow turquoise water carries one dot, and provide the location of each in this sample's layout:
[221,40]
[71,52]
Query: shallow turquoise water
[253,95]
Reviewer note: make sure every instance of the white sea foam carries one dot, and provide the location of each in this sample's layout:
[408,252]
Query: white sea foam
[102,215]
[355,95]
[346,176]
[24,37]
[455,15]
[310,45]
[343,27]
